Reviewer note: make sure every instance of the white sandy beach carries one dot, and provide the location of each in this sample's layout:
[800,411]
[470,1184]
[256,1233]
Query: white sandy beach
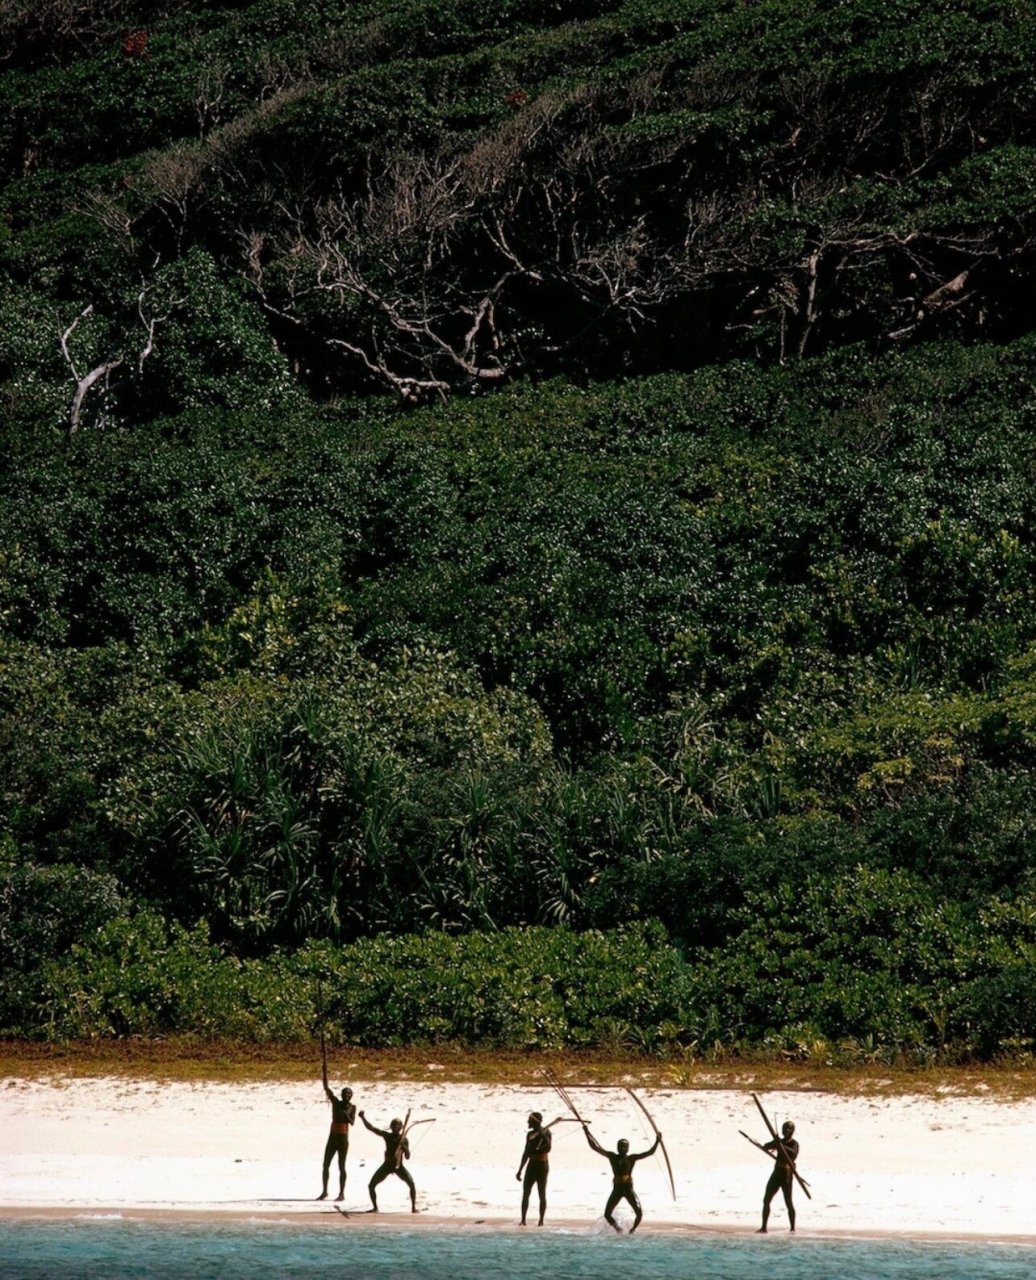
[949,1166]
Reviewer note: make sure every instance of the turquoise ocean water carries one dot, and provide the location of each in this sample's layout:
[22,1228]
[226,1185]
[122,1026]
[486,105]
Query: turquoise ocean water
[118,1250]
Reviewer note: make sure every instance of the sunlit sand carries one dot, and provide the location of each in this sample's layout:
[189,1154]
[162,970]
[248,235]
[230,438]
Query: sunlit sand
[919,1166]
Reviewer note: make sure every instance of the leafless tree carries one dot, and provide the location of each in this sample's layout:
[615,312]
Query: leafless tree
[415,276]
[96,377]
[209,96]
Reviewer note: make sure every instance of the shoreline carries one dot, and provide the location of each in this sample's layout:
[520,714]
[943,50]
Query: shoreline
[911,1167]
[328,1220]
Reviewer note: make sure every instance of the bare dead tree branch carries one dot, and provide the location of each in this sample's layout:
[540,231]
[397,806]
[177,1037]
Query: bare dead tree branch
[84,381]
[99,374]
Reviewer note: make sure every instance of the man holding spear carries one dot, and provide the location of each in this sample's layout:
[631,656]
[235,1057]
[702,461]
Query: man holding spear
[343,1117]
[784,1151]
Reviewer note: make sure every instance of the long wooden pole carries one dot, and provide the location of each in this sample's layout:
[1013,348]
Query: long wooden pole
[320,1017]
[323,1044]
[782,1148]
[765,1150]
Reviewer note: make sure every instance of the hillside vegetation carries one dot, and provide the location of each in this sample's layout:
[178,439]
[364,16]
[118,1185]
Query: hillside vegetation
[516,524]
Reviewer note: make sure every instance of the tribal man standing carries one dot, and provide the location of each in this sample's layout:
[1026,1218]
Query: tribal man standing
[622,1176]
[535,1162]
[786,1149]
[343,1117]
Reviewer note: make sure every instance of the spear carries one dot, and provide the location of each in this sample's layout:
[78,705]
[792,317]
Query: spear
[320,1016]
[651,1122]
[765,1150]
[782,1148]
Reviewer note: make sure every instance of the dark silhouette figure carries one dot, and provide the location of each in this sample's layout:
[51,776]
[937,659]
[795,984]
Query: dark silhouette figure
[536,1163]
[786,1149]
[343,1117]
[622,1174]
[397,1149]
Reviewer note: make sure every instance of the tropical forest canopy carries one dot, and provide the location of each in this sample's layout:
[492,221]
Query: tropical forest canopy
[521,513]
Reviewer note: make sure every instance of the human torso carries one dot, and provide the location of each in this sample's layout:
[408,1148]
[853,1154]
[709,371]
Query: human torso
[537,1145]
[396,1148]
[787,1151]
[343,1114]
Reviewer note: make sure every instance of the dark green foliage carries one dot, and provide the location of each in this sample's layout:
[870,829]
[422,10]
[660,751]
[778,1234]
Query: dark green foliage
[428,198]
[865,954]
[696,649]
[832,971]
[322,808]
[44,912]
[138,977]
[693,583]
[532,988]
[538,988]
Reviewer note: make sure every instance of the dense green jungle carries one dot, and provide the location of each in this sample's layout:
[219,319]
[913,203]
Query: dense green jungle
[517,524]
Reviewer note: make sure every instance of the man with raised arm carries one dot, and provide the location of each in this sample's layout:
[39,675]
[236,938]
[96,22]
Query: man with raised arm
[343,1117]
[397,1149]
[786,1149]
[622,1176]
[535,1162]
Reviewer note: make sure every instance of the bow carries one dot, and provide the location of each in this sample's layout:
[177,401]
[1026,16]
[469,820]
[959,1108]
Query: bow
[665,1153]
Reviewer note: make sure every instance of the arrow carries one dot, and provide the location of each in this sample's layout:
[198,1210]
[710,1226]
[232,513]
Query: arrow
[665,1153]
[765,1150]
[560,1120]
[402,1138]
[782,1148]
[562,1093]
